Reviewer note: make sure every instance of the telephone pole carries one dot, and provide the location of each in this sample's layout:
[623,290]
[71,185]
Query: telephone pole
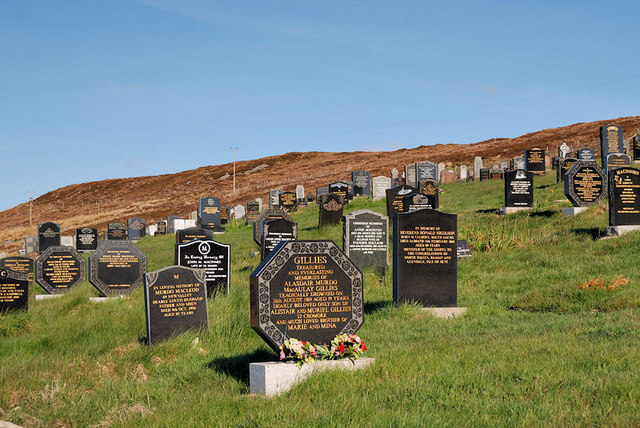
[30,207]
[234,168]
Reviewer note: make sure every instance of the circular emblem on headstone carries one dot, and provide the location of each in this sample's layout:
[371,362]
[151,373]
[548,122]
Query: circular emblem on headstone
[204,248]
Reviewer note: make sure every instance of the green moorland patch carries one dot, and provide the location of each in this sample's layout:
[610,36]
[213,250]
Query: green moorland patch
[533,349]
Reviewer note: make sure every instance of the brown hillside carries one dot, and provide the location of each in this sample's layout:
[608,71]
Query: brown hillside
[97,203]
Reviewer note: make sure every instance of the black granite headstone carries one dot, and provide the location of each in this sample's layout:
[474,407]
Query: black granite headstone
[361,183]
[365,239]
[308,290]
[618,160]
[341,188]
[175,301]
[116,232]
[563,166]
[288,201]
[429,188]
[116,267]
[395,198]
[534,161]
[496,174]
[211,256]
[330,212]
[59,268]
[18,264]
[14,291]
[161,228]
[171,228]
[274,231]
[462,248]
[48,236]
[585,153]
[253,211]
[518,188]
[136,228]
[86,239]
[209,214]
[485,174]
[265,215]
[624,197]
[416,201]
[635,148]
[610,142]
[225,212]
[191,233]
[425,258]
[321,191]
[585,183]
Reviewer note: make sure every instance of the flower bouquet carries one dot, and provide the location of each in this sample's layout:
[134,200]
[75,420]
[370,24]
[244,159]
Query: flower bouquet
[342,346]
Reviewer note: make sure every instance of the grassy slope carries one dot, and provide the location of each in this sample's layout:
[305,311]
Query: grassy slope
[532,350]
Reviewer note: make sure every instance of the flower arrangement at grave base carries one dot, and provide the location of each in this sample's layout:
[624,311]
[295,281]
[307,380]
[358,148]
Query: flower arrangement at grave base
[342,346]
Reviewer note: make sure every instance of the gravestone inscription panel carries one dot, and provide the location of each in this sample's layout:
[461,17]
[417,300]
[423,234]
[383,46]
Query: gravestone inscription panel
[191,233]
[175,301]
[331,206]
[610,142]
[308,290]
[274,199]
[415,201]
[324,190]
[210,214]
[380,184]
[18,264]
[59,268]
[463,249]
[288,201]
[365,239]
[585,153]
[585,183]
[14,291]
[485,174]
[274,231]
[161,228]
[518,188]
[253,211]
[395,198]
[48,236]
[624,197]
[264,216]
[426,171]
[618,160]
[429,188]
[410,174]
[563,166]
[116,231]
[534,160]
[116,268]
[86,239]
[341,188]
[425,258]
[211,256]
[361,183]
[136,228]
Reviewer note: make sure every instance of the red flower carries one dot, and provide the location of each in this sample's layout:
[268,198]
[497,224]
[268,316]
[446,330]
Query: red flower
[363,346]
[341,348]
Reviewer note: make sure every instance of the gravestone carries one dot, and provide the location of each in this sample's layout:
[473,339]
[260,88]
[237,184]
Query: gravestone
[59,268]
[259,200]
[152,229]
[14,291]
[415,201]
[462,249]
[175,301]
[518,188]
[410,175]
[225,215]
[395,201]
[161,228]
[211,256]
[447,177]
[425,171]
[477,166]
[310,197]
[116,231]
[425,258]
[18,264]
[618,160]
[67,241]
[463,173]
[331,206]
[239,211]
[517,163]
[179,224]
[30,244]
[86,239]
[441,167]
[396,180]
[288,201]
[116,268]
[302,201]
[277,230]
[361,184]
[585,183]
[563,166]
[341,188]
[503,165]
[624,197]
[308,290]
[191,233]
[585,153]
[380,184]
[264,216]
[136,227]
[324,190]
[253,211]
[534,160]
[274,199]
[365,239]
[209,214]
[48,236]
[484,174]
[563,150]
[171,223]
[635,148]
[429,188]
[610,142]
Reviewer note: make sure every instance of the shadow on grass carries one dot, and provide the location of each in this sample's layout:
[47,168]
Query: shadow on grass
[238,366]
[373,307]
[544,186]
[488,211]
[593,232]
[547,213]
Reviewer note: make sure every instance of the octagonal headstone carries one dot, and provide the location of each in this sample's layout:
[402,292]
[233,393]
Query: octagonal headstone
[117,267]
[308,290]
[264,216]
[59,268]
[585,183]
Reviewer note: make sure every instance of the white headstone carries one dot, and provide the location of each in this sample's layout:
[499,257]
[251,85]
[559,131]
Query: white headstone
[189,223]
[67,241]
[477,165]
[299,191]
[441,167]
[463,172]
[239,211]
[379,187]
[564,150]
[152,229]
[394,173]
[259,200]
[179,224]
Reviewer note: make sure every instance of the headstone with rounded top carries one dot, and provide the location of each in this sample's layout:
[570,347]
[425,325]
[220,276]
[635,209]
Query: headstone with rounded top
[86,239]
[136,228]
[211,256]
[48,236]
[264,216]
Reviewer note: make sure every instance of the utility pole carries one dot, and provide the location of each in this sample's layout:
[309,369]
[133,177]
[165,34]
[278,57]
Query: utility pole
[234,168]
[30,207]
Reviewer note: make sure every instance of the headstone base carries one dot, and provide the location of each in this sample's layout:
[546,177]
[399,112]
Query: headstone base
[614,231]
[47,296]
[446,313]
[274,378]
[105,299]
[511,210]
[573,211]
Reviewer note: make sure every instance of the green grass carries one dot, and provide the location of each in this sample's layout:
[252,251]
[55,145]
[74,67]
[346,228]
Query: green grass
[533,349]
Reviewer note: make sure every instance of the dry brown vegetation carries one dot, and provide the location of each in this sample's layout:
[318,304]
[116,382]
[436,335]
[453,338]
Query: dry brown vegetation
[97,203]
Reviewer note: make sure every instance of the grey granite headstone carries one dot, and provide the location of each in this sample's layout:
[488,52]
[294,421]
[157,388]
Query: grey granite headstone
[365,239]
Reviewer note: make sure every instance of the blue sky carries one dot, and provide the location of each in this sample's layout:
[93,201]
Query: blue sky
[91,90]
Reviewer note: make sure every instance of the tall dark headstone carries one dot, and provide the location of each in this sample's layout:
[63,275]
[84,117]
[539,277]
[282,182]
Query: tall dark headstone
[585,183]
[585,153]
[59,268]
[308,290]
[534,161]
[518,188]
[610,142]
[175,301]
[624,197]
[211,256]
[171,227]
[288,201]
[161,228]
[86,239]
[264,216]
[330,212]
[116,232]
[618,160]
[485,174]
[253,211]
[341,188]
[277,230]
[191,233]
[116,267]
[425,258]
[361,183]
[48,236]
[209,215]
[18,264]
[14,291]
[429,188]
[136,228]
[225,214]
[365,239]
[395,201]
[563,166]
